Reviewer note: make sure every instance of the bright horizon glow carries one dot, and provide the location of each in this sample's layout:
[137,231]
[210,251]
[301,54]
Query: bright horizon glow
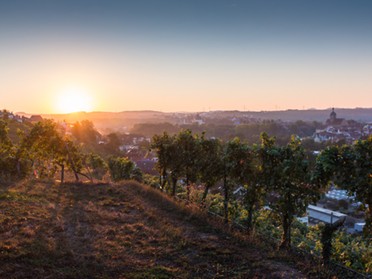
[73,99]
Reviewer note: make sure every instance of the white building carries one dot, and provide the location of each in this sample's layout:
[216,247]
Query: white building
[338,194]
[318,214]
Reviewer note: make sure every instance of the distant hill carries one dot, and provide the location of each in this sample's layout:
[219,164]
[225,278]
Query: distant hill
[123,121]
[357,114]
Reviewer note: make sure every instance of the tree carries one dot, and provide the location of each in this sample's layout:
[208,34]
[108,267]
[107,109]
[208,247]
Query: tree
[187,154]
[85,133]
[176,164]
[287,177]
[361,182]
[209,163]
[350,166]
[95,166]
[41,146]
[230,168]
[113,143]
[120,168]
[252,177]
[4,138]
[326,238]
[45,147]
[161,144]
[6,151]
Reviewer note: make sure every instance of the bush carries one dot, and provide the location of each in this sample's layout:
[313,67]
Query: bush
[124,169]
[120,168]
[97,165]
[151,180]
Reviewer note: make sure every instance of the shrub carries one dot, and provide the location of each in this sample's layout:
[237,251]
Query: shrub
[120,168]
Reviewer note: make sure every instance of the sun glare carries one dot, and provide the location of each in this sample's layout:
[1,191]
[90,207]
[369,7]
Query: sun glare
[73,100]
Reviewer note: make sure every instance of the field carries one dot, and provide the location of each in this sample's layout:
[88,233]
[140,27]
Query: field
[126,230]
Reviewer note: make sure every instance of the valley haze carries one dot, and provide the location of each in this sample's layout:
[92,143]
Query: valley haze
[117,120]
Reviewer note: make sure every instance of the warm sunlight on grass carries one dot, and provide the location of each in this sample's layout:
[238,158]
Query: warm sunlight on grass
[73,99]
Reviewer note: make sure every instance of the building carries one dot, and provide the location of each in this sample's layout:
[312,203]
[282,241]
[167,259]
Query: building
[338,129]
[333,120]
[339,194]
[318,214]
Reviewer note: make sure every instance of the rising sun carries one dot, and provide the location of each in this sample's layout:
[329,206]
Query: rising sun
[73,99]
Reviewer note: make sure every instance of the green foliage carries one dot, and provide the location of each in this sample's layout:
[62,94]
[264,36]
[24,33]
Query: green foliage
[209,162]
[289,182]
[165,149]
[137,175]
[84,132]
[151,180]
[113,144]
[46,149]
[267,225]
[351,250]
[151,129]
[96,166]
[177,157]
[351,167]
[120,168]
[188,152]
[7,166]
[4,138]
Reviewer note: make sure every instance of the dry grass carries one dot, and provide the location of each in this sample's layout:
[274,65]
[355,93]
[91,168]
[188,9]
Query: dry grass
[120,231]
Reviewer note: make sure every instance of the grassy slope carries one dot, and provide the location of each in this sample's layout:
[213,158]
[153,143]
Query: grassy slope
[120,231]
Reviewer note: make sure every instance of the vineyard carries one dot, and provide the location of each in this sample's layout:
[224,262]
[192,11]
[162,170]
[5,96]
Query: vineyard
[274,185]
[262,187]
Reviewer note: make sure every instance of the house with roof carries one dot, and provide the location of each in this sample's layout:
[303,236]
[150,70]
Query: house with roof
[318,214]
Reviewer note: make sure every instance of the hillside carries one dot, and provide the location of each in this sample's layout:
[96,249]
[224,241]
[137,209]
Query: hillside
[121,231]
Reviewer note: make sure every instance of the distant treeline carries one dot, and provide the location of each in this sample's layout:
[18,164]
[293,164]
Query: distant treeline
[249,132]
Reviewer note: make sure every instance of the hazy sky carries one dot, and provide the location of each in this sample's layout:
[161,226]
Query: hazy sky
[185,55]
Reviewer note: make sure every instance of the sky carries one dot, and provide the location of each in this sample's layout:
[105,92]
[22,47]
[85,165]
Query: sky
[176,55]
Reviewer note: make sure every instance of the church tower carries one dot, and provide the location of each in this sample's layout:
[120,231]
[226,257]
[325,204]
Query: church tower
[333,116]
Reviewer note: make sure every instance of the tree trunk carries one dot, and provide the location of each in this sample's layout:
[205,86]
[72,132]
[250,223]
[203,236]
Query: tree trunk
[72,163]
[286,221]
[18,168]
[174,185]
[18,163]
[83,174]
[250,218]
[76,175]
[226,200]
[367,230]
[286,236]
[187,179]
[164,180]
[62,174]
[204,197]
[90,174]
[326,239]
